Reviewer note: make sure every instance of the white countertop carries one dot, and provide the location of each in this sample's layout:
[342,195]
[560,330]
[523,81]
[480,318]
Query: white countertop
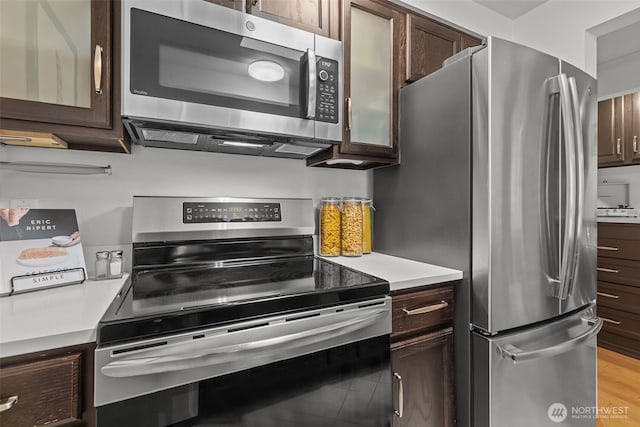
[399,272]
[53,318]
[69,315]
[620,219]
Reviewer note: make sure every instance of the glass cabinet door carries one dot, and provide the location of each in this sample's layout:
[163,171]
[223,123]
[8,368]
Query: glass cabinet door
[55,61]
[372,68]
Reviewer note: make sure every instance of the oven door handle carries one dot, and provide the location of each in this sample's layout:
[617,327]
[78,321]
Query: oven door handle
[193,355]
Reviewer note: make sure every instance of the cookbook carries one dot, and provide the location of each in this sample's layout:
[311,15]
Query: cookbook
[39,248]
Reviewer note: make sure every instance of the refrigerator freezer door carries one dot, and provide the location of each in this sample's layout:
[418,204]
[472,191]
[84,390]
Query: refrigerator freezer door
[582,290]
[516,193]
[538,377]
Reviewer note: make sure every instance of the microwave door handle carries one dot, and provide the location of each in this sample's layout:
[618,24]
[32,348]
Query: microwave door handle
[312,83]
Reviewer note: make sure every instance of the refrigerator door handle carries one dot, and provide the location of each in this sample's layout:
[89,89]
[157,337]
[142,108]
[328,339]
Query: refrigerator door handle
[567,264]
[579,183]
[517,355]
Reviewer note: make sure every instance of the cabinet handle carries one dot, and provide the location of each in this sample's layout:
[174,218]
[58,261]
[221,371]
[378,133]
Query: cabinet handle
[607,270]
[349,113]
[613,322]
[618,146]
[604,294]
[608,248]
[635,144]
[97,69]
[6,404]
[427,309]
[398,413]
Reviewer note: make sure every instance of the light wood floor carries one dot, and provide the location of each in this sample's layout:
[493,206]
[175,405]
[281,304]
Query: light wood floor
[618,385]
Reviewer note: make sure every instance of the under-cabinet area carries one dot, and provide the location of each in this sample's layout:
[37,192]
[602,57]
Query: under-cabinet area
[619,287]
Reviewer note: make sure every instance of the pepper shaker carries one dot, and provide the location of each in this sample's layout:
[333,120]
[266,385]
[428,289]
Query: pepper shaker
[102,265]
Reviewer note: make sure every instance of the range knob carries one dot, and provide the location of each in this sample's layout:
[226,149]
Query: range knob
[323,75]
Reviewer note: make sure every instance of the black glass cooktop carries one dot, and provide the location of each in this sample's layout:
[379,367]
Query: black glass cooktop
[159,301]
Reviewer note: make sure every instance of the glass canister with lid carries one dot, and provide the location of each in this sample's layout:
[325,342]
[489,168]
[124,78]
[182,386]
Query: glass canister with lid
[351,226]
[367,207]
[330,226]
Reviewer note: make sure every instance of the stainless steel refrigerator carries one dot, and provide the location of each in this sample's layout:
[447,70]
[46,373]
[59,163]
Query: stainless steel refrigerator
[497,178]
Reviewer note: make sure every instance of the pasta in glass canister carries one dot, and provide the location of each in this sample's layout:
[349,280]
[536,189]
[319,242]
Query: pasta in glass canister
[330,226]
[351,227]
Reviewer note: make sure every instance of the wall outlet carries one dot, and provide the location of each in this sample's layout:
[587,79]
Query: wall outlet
[23,203]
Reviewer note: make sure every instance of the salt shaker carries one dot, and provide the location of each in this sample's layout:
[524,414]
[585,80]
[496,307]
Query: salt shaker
[102,265]
[115,264]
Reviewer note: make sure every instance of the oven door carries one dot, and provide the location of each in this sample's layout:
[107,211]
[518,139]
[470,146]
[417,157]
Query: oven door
[192,61]
[323,367]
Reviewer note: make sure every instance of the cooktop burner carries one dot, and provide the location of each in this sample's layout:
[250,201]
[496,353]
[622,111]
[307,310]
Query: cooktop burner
[150,304]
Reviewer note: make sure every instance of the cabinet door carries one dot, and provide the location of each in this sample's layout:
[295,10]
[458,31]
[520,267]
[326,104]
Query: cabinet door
[610,128]
[468,41]
[315,16]
[422,369]
[632,125]
[55,62]
[428,44]
[372,54]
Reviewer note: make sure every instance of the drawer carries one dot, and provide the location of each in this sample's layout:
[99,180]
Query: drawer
[619,297]
[618,248]
[620,322]
[420,310]
[620,271]
[613,230]
[47,391]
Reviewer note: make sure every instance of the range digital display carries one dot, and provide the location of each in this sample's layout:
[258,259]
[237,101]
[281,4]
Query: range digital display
[230,212]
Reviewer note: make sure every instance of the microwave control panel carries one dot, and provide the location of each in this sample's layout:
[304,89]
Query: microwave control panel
[230,212]
[327,93]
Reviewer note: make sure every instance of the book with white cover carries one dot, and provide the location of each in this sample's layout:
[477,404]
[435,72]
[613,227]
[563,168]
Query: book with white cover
[39,248]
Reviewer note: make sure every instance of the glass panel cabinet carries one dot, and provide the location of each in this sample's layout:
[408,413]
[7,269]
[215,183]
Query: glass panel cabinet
[372,78]
[56,70]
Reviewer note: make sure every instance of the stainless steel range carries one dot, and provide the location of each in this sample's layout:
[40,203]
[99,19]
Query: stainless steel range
[228,319]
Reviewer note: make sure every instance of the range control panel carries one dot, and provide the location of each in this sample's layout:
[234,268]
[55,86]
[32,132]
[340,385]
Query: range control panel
[327,93]
[230,212]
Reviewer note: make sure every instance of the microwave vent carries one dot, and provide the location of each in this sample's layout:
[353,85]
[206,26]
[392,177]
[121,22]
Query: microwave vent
[169,136]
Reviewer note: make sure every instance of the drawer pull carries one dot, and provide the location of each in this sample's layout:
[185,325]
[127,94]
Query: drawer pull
[604,294]
[427,309]
[608,270]
[613,322]
[608,248]
[6,404]
[398,412]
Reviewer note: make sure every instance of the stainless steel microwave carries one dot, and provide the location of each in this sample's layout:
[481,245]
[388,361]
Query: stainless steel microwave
[204,77]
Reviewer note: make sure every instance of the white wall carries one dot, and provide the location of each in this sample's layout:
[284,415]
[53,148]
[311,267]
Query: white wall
[560,27]
[104,203]
[466,14]
[619,76]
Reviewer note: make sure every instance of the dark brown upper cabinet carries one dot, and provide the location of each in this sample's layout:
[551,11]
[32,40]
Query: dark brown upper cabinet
[58,75]
[385,46]
[619,130]
[429,43]
[317,16]
[373,37]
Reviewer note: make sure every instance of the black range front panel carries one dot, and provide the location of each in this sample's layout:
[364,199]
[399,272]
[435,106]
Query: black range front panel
[345,386]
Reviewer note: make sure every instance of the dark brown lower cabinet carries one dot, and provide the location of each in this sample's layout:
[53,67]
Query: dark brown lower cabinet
[422,356]
[48,388]
[422,369]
